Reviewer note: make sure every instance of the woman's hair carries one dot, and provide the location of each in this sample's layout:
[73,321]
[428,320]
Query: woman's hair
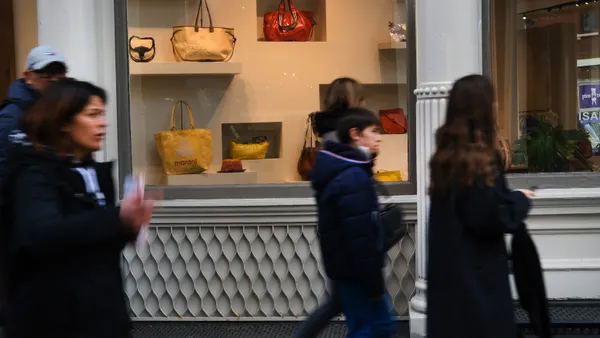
[358,118]
[344,93]
[64,99]
[466,142]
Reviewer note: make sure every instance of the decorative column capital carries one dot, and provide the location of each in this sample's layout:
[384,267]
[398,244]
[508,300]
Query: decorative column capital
[433,90]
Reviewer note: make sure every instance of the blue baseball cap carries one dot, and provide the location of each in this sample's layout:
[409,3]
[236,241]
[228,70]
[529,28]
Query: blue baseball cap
[41,56]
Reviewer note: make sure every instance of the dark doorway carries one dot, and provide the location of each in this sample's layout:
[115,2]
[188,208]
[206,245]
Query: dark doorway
[7,46]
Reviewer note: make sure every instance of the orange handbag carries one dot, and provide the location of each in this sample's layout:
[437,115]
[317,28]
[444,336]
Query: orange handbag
[393,121]
[290,25]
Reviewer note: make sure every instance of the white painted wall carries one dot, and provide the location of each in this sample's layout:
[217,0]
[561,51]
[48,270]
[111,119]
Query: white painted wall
[84,31]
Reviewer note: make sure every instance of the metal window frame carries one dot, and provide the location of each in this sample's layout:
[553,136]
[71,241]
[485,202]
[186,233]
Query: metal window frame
[526,180]
[298,190]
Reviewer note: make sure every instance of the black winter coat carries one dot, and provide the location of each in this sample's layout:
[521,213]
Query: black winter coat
[64,250]
[468,292]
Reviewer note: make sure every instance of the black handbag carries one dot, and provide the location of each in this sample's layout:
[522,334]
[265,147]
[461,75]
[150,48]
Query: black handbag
[391,221]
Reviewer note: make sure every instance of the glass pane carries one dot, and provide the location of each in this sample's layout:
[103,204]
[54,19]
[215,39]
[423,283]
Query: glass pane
[545,58]
[250,93]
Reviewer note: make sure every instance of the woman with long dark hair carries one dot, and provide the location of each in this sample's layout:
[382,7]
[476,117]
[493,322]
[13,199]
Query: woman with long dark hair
[468,292]
[342,94]
[65,232]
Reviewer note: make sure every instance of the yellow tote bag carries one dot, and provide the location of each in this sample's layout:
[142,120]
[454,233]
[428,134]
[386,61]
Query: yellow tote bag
[186,151]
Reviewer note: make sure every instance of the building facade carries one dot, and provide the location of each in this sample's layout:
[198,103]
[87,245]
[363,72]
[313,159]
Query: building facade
[242,246]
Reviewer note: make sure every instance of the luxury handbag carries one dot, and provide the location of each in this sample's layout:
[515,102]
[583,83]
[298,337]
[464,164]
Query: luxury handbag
[391,217]
[255,150]
[141,50]
[184,151]
[199,43]
[393,121]
[388,176]
[290,25]
[310,149]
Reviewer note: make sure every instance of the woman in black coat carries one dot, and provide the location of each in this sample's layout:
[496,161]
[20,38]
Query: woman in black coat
[468,292]
[342,94]
[65,233]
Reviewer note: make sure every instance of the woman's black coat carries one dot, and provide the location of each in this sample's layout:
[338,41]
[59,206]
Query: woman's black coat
[64,253]
[468,292]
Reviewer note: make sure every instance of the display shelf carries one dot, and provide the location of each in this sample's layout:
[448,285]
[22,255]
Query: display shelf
[392,45]
[247,132]
[212,178]
[185,68]
[315,6]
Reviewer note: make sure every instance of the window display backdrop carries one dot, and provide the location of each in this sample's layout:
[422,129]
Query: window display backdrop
[544,58]
[266,87]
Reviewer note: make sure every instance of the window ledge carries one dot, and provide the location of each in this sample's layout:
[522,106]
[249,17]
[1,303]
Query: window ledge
[266,202]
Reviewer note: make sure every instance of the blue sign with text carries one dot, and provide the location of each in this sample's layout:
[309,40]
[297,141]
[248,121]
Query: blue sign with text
[589,96]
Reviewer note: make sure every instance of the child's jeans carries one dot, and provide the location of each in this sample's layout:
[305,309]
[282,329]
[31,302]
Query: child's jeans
[366,318]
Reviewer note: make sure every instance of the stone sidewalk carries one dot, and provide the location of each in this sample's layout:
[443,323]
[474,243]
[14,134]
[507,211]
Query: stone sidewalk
[237,330]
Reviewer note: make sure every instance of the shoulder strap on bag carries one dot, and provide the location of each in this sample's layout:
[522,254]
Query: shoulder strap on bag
[18,102]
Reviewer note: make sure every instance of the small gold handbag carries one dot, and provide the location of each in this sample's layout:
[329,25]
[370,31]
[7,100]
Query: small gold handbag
[184,151]
[388,176]
[199,43]
[257,150]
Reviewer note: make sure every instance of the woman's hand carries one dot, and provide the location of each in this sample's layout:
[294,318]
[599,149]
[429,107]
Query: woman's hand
[136,211]
[529,193]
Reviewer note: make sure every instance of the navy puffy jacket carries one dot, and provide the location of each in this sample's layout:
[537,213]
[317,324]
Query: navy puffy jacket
[348,213]
[10,116]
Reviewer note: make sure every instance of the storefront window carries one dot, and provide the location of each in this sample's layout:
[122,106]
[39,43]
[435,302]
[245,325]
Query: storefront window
[250,93]
[545,62]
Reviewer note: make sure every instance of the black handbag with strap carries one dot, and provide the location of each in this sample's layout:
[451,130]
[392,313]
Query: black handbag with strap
[391,219]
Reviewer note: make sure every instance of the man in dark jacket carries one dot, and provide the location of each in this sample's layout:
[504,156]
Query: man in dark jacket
[43,65]
[348,224]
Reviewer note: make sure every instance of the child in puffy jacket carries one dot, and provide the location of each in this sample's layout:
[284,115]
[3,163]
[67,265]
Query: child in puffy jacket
[348,224]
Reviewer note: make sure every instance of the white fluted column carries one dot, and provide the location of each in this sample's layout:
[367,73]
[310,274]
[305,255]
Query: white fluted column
[448,47]
[84,31]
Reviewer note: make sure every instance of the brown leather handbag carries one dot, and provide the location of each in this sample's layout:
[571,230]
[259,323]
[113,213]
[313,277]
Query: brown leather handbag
[393,121]
[310,149]
[290,25]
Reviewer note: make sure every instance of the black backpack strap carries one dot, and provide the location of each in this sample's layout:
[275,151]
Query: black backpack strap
[18,102]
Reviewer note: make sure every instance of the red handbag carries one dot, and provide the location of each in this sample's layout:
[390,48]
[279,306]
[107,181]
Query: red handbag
[310,149]
[393,121]
[291,25]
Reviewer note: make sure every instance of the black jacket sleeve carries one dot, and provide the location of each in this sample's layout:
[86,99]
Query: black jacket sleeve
[363,242]
[492,211]
[41,229]
[9,121]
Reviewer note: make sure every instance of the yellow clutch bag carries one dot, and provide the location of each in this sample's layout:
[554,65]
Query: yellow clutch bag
[185,151]
[388,176]
[249,151]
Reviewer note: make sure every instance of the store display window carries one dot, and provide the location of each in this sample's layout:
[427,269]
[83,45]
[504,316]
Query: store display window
[219,95]
[544,59]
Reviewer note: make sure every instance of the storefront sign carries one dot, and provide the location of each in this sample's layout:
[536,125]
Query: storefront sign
[589,96]
[586,117]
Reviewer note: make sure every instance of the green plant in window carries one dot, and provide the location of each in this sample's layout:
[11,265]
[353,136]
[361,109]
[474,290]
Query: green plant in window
[549,148]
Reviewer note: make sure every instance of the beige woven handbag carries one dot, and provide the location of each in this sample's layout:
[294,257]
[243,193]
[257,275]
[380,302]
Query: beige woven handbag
[198,43]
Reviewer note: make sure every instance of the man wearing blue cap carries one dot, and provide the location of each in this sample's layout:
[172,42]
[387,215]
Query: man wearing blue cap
[43,66]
